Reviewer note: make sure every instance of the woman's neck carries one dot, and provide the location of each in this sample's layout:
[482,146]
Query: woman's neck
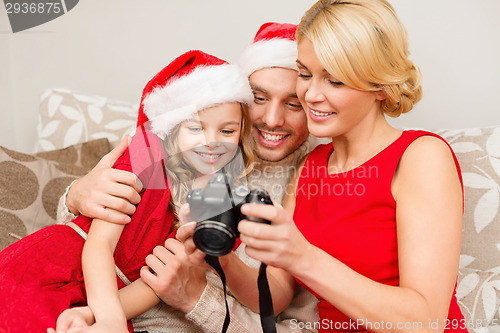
[360,144]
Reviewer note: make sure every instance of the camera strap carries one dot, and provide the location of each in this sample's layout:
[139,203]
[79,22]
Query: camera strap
[267,319]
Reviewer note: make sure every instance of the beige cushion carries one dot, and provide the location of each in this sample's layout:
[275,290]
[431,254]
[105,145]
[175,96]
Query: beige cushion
[478,297]
[67,118]
[478,151]
[31,185]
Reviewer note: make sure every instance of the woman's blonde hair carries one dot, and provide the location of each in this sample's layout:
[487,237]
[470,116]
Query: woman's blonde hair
[181,175]
[363,44]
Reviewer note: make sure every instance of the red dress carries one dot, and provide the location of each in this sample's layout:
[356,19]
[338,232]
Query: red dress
[329,207]
[41,275]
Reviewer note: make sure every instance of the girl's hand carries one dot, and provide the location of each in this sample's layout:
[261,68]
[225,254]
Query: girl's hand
[96,328]
[73,320]
[280,244]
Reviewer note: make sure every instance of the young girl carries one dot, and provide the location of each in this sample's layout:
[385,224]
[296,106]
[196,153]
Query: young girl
[198,104]
[373,224]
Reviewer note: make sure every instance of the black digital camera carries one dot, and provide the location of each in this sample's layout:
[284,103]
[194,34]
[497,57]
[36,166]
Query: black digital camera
[216,209]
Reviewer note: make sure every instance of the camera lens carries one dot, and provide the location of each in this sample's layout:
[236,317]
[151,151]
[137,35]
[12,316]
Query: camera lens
[213,238]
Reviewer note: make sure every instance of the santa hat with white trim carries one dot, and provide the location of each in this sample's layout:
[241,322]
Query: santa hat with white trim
[192,82]
[274,45]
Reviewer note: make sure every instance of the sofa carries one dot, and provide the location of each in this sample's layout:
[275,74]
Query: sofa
[76,129]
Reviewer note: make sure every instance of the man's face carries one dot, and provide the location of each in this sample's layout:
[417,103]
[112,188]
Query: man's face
[279,124]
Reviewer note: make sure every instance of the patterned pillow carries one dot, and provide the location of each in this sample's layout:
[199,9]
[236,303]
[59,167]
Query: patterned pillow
[478,151]
[67,118]
[478,297]
[31,185]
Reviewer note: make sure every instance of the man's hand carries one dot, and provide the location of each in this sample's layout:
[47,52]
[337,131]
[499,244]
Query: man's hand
[174,279]
[106,193]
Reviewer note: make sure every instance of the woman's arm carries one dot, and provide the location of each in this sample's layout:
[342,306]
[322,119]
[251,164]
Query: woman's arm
[428,195]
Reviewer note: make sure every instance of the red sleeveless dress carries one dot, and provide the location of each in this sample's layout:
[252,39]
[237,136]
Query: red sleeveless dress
[330,207]
[41,274]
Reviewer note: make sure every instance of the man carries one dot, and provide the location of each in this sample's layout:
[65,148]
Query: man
[281,139]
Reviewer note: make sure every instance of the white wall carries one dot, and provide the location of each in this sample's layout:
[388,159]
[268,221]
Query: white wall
[113,47]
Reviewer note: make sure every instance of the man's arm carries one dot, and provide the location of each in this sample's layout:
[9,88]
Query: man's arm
[185,287]
[104,193]
[210,311]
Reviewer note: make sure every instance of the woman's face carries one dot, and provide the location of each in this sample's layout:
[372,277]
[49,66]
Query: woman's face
[331,107]
[210,139]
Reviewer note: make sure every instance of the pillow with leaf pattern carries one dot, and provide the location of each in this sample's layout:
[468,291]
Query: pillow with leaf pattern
[67,118]
[478,152]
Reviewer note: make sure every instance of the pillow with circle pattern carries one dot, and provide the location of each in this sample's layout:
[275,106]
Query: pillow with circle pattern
[31,185]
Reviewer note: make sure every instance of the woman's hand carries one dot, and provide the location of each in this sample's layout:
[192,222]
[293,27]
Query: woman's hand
[280,244]
[175,280]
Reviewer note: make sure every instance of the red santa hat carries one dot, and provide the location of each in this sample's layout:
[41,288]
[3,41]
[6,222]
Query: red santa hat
[274,45]
[192,82]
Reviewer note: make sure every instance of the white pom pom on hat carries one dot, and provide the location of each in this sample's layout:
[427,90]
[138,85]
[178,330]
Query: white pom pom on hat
[274,45]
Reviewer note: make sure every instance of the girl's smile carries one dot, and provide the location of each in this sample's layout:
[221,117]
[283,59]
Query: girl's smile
[210,139]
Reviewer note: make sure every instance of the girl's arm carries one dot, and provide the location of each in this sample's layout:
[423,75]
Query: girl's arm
[99,274]
[428,198]
[136,298]
[100,277]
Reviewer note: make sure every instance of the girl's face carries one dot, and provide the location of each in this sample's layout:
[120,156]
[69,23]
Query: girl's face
[331,107]
[210,139]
